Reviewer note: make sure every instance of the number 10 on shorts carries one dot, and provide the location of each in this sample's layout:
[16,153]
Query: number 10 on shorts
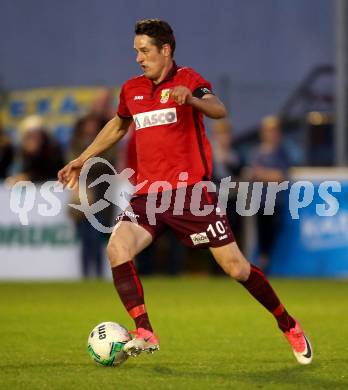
[219,227]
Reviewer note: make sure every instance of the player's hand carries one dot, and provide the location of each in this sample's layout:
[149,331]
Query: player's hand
[181,95]
[69,175]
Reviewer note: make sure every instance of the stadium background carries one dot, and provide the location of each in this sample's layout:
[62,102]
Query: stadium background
[264,49]
[259,58]
[268,57]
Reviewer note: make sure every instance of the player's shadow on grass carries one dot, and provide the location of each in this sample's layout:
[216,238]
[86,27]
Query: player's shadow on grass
[43,365]
[63,365]
[295,375]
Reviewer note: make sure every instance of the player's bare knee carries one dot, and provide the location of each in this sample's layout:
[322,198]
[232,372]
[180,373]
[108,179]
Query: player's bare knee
[237,268]
[117,252]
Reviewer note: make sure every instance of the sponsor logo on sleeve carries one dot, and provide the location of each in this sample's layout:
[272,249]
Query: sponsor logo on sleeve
[155,118]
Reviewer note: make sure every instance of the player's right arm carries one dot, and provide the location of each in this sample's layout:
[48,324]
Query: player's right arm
[111,133]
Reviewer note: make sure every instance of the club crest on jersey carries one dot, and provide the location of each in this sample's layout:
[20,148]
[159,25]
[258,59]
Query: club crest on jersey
[155,118]
[164,95]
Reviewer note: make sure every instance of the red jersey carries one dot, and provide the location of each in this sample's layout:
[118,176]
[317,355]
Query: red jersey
[170,138]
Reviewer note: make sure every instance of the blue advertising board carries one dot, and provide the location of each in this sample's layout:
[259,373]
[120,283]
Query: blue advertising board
[313,245]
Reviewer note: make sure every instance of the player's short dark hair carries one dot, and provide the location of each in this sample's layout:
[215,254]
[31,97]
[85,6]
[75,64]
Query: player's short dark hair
[159,30]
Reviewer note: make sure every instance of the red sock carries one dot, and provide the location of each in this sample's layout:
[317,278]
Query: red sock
[130,290]
[260,288]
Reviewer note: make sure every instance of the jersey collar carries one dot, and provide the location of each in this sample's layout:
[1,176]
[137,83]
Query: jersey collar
[172,72]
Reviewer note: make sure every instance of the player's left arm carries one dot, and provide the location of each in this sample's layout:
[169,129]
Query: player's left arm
[208,104]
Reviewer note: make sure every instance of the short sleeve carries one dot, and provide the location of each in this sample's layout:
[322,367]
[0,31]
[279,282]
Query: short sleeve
[123,110]
[199,86]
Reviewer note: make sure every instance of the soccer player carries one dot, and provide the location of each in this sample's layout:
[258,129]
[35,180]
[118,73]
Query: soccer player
[167,103]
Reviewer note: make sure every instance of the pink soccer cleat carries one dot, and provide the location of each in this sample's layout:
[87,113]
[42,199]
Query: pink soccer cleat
[143,341]
[300,344]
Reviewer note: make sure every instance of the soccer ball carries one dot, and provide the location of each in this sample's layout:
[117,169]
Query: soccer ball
[105,344]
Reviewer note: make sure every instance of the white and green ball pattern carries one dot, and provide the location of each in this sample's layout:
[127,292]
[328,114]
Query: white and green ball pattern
[105,344]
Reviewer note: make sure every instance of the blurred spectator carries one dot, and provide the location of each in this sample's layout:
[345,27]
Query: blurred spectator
[6,154]
[92,241]
[227,163]
[103,106]
[40,157]
[269,164]
[85,130]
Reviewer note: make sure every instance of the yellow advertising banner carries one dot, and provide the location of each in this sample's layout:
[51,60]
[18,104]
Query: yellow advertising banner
[59,107]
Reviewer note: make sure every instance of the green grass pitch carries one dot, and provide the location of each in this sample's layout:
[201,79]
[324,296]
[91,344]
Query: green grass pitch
[213,336]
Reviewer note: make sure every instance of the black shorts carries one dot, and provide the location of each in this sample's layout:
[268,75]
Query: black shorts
[212,230]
